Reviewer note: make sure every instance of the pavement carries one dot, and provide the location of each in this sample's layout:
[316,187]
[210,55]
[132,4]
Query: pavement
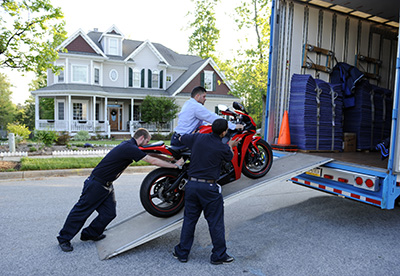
[284,229]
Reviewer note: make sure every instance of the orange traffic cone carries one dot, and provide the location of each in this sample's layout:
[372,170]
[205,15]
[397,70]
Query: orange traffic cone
[284,136]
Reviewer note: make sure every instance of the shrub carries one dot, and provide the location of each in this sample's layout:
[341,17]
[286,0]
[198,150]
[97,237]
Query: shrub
[21,132]
[47,137]
[63,138]
[31,149]
[82,135]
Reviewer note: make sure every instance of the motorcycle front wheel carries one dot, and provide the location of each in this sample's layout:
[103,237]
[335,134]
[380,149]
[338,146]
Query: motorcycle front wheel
[257,161]
[154,197]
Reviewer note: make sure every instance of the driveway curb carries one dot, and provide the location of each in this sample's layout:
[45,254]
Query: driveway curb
[66,172]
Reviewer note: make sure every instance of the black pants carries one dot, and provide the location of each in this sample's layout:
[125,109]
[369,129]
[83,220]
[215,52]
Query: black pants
[95,197]
[200,196]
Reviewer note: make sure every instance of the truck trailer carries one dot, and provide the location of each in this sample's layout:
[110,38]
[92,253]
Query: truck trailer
[334,66]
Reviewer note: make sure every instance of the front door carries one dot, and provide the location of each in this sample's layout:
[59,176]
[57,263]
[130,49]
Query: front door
[115,118]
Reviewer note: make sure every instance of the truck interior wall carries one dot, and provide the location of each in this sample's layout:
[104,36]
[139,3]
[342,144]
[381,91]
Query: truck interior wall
[344,35]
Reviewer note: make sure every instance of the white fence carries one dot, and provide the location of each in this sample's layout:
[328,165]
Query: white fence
[12,154]
[80,152]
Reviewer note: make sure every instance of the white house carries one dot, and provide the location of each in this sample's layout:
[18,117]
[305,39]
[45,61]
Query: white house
[106,77]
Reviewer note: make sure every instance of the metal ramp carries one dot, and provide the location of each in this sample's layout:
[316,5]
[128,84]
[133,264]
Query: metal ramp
[143,227]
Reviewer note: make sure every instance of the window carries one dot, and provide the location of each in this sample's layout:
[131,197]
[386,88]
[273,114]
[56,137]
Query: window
[209,80]
[79,73]
[168,78]
[96,75]
[60,77]
[60,110]
[113,75]
[113,48]
[154,79]
[79,111]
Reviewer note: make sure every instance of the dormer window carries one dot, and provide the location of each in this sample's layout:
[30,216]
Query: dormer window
[155,78]
[113,47]
[209,80]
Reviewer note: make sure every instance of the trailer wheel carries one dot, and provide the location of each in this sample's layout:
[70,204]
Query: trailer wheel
[258,161]
[154,197]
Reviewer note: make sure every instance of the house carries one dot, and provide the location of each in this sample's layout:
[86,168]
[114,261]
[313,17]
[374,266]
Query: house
[105,78]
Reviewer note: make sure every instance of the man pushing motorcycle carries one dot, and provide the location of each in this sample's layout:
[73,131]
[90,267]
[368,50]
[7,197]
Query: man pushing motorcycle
[194,114]
[202,193]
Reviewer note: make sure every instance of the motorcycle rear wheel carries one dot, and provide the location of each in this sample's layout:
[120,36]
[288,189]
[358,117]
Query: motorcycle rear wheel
[257,163]
[153,196]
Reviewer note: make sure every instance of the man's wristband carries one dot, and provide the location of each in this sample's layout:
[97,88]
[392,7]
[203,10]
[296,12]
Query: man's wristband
[179,167]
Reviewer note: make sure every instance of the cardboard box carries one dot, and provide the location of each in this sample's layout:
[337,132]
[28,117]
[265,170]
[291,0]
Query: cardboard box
[349,142]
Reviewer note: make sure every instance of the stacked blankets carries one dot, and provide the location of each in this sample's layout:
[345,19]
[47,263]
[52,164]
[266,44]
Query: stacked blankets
[315,114]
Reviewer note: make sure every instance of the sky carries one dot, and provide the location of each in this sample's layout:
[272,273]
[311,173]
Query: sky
[159,21]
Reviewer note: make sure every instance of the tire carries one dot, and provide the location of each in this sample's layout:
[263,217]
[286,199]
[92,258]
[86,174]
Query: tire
[152,197]
[256,164]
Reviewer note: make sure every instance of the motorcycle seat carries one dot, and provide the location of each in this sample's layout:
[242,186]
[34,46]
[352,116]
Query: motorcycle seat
[155,144]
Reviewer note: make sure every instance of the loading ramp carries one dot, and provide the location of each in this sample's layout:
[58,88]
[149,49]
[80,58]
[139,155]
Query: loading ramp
[143,227]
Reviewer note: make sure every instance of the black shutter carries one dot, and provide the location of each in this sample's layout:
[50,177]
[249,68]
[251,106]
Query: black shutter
[142,78]
[149,78]
[130,77]
[202,79]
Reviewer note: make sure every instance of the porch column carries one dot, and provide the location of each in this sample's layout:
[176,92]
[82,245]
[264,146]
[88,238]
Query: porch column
[94,114]
[36,111]
[131,123]
[70,111]
[106,117]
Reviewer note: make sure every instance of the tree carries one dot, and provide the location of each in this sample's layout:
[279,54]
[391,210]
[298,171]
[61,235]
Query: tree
[205,35]
[249,71]
[7,108]
[30,32]
[26,113]
[158,110]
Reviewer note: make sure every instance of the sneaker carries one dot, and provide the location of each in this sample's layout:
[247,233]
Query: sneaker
[182,260]
[227,260]
[66,246]
[384,150]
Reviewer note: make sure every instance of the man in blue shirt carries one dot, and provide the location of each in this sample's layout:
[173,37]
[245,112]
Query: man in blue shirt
[202,193]
[194,114]
[98,191]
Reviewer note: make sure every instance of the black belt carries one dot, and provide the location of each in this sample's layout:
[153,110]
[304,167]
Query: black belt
[202,180]
[105,183]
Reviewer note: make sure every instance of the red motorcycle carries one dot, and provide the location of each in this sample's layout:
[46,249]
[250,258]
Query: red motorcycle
[162,190]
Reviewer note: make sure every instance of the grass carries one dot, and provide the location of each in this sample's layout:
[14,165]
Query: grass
[29,164]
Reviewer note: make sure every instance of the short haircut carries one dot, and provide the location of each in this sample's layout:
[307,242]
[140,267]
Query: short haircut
[140,132]
[219,126]
[198,90]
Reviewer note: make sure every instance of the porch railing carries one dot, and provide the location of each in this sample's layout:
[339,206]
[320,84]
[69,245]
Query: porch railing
[134,125]
[87,125]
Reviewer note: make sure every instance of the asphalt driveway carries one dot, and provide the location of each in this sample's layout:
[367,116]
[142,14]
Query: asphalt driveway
[284,230]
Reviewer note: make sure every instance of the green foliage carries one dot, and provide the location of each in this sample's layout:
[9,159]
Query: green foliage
[205,34]
[158,110]
[7,108]
[63,138]
[21,132]
[26,113]
[82,135]
[248,72]
[32,149]
[47,137]
[46,108]
[30,32]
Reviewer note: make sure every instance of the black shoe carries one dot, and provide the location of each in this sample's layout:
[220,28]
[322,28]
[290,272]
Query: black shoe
[90,238]
[227,260]
[66,246]
[182,260]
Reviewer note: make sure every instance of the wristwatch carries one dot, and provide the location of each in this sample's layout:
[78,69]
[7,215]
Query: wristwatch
[179,167]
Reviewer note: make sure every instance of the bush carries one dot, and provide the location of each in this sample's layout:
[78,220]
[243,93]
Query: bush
[47,137]
[21,132]
[63,138]
[82,135]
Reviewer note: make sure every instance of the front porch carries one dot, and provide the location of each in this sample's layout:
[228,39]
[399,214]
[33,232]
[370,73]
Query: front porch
[97,115]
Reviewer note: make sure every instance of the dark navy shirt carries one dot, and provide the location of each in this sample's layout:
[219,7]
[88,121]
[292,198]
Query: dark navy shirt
[117,160]
[208,151]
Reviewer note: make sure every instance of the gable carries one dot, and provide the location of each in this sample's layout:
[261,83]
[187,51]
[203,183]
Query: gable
[79,44]
[221,89]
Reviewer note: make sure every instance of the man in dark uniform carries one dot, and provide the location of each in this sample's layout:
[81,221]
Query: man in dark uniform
[202,193]
[98,191]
